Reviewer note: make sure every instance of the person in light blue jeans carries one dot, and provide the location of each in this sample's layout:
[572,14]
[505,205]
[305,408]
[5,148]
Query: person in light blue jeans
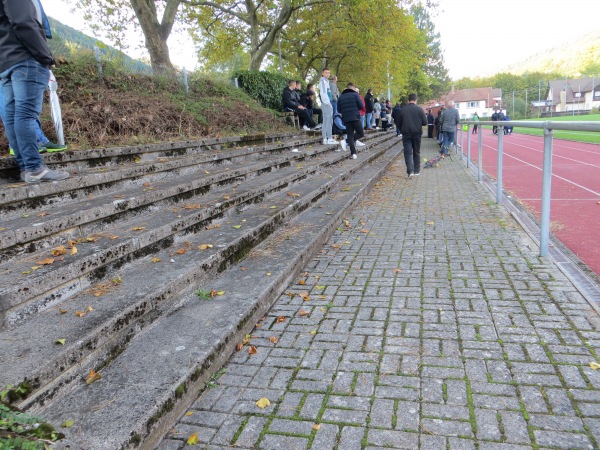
[25,61]
[326,98]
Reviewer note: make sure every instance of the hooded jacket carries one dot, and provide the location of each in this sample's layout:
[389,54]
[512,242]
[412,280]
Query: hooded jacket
[22,34]
[349,105]
[369,102]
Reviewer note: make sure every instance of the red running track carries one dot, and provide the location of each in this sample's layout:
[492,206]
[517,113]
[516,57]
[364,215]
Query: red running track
[575,203]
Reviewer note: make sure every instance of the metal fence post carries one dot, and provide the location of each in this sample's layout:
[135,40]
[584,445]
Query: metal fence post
[98,60]
[468,145]
[479,153]
[185,80]
[546,192]
[499,174]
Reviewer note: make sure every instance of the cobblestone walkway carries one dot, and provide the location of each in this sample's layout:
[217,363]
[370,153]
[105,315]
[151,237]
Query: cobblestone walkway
[431,324]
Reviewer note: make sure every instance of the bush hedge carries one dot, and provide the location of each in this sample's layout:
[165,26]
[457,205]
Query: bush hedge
[265,87]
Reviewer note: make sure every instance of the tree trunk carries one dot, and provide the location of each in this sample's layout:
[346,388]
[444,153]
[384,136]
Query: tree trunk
[155,33]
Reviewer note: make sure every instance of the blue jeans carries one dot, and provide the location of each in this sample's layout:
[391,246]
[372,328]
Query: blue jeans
[41,137]
[448,141]
[369,119]
[23,87]
[334,105]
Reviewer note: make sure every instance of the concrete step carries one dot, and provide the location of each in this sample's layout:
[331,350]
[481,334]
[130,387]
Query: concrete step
[25,291]
[122,307]
[148,385]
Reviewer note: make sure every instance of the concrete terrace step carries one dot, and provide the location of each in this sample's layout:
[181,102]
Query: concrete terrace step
[109,157]
[154,379]
[129,238]
[81,209]
[92,179]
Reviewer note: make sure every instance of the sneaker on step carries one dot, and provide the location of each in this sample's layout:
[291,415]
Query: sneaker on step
[11,152]
[354,156]
[318,127]
[410,175]
[344,144]
[331,141]
[51,147]
[45,174]
[305,128]
[417,174]
[359,144]
[325,142]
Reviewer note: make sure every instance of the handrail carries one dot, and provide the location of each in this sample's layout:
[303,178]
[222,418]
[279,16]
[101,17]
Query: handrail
[548,126]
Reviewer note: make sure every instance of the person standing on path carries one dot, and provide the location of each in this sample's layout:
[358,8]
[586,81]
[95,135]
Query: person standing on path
[326,107]
[349,105]
[430,120]
[369,103]
[448,123]
[25,61]
[412,120]
[335,93]
[475,119]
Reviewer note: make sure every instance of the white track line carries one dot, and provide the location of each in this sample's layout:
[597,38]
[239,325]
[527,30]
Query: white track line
[541,170]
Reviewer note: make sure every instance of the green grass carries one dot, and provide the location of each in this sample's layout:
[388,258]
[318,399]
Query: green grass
[578,136]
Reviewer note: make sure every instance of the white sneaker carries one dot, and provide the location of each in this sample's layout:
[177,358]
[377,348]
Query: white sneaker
[325,142]
[318,127]
[344,145]
[354,156]
[331,141]
[305,128]
[359,144]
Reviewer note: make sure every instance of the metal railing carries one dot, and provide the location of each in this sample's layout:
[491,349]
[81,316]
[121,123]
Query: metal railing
[548,127]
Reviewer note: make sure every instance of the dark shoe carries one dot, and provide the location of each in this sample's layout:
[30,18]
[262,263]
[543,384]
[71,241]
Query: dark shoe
[52,147]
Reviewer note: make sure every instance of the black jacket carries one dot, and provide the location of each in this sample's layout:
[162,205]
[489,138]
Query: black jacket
[349,105]
[369,102]
[22,34]
[412,119]
[396,114]
[289,98]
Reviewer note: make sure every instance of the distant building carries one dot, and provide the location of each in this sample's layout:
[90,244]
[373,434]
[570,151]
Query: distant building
[482,101]
[580,95]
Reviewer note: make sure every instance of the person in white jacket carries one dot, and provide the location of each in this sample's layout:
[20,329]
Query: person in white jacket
[326,107]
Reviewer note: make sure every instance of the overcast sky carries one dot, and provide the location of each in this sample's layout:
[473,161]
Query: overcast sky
[472,31]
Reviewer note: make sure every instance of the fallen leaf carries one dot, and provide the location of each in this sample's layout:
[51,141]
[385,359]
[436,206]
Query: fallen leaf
[237,226]
[263,403]
[181,251]
[304,296]
[364,230]
[89,308]
[268,274]
[114,236]
[146,184]
[243,268]
[316,426]
[155,259]
[594,365]
[293,194]
[273,207]
[92,376]
[45,262]
[42,214]
[429,223]
[67,423]
[117,280]
[193,206]
[335,245]
[302,282]
[226,197]
[239,346]
[63,311]
[303,313]
[252,350]
[274,339]
[118,196]
[138,228]
[73,251]
[193,439]
[81,313]
[291,294]
[320,287]
[322,296]
[189,413]
[397,270]
[205,246]
[313,332]
[210,227]
[281,319]
[60,341]
[59,251]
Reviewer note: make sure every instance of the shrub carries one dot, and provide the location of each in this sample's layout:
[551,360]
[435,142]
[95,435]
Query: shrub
[265,87]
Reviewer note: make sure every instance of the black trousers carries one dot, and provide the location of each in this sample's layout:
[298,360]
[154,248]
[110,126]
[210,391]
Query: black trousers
[412,151]
[354,131]
[305,117]
[430,131]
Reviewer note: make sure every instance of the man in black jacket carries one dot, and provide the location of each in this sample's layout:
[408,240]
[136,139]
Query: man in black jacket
[291,102]
[25,61]
[412,120]
[349,106]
